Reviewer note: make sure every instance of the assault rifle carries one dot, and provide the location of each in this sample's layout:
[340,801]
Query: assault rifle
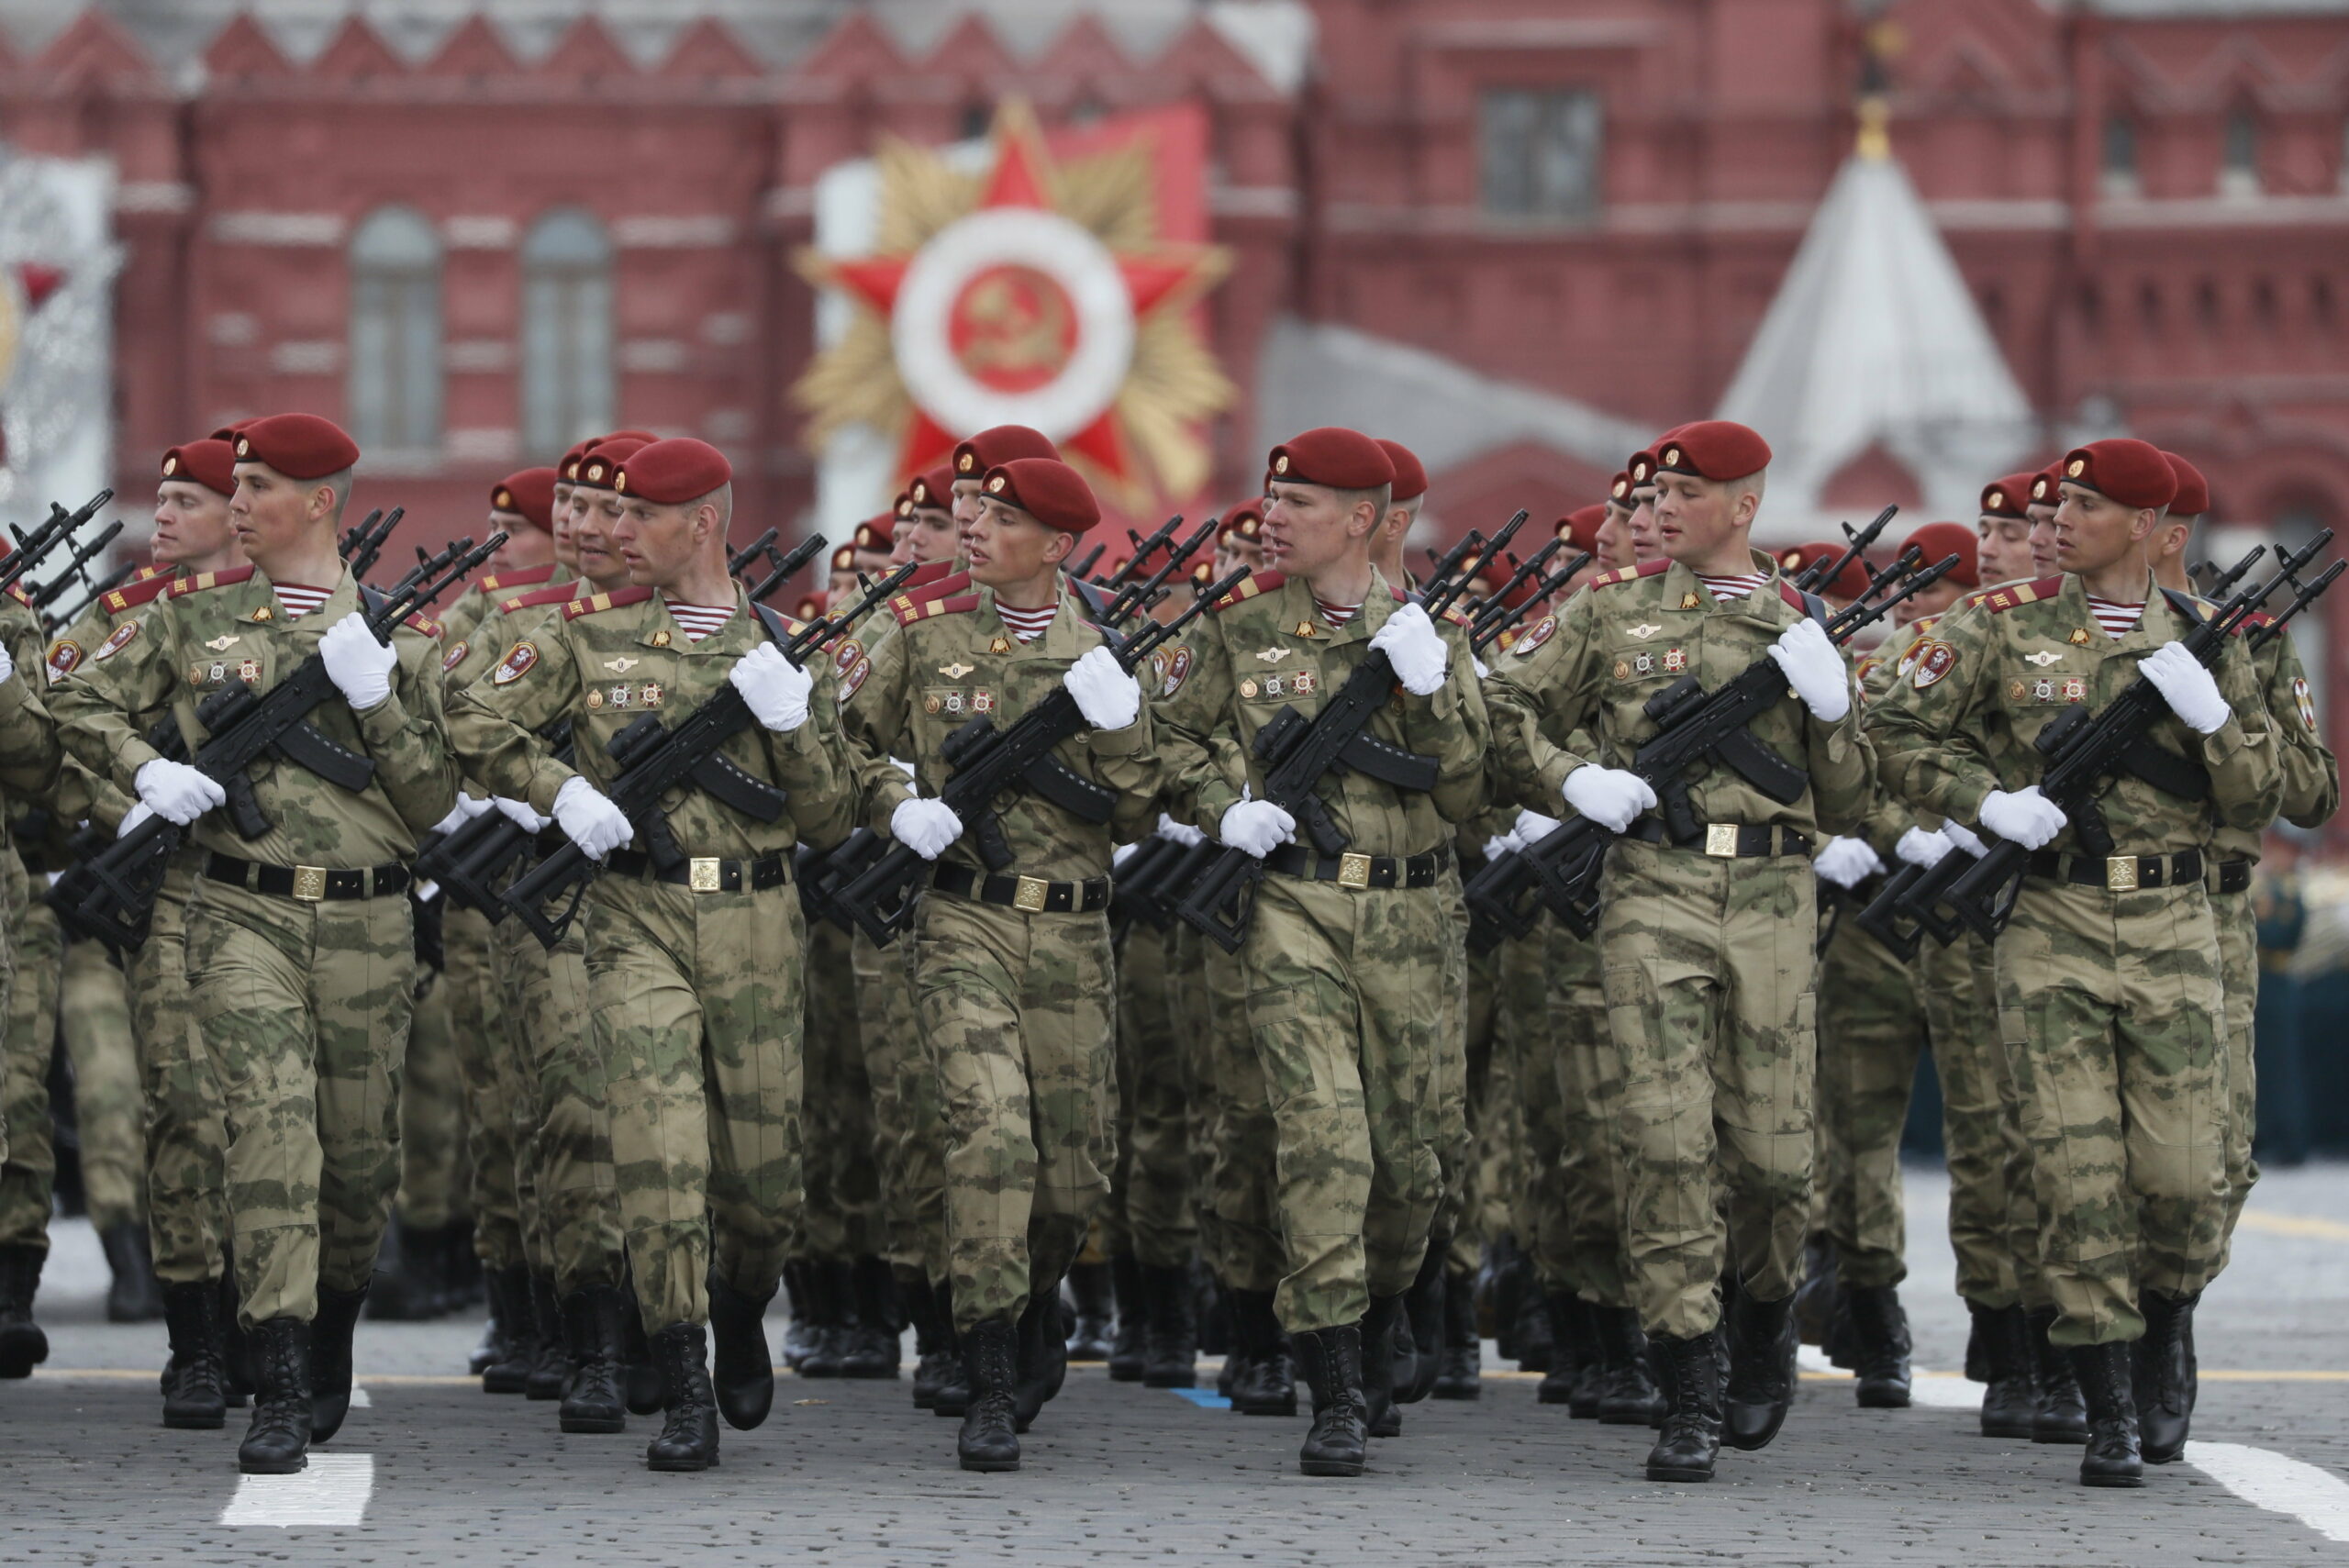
[742,559]
[988,762]
[242,727]
[654,759]
[1083,568]
[1162,538]
[75,570]
[32,548]
[1819,573]
[99,589]
[2084,750]
[364,543]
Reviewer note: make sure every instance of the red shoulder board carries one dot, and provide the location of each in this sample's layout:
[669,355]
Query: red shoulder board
[943,587]
[1400,596]
[145,573]
[909,610]
[594,603]
[423,623]
[551,595]
[1793,595]
[140,591]
[2008,597]
[1630,573]
[17,593]
[930,572]
[1263,582]
[182,586]
[527,577]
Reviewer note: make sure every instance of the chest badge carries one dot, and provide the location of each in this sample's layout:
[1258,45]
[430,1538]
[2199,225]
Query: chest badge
[956,670]
[999,645]
[1674,661]
[1688,601]
[621,666]
[1644,631]
[661,638]
[1274,655]
[262,614]
[1305,629]
[1247,688]
[2044,658]
[2080,637]
[223,643]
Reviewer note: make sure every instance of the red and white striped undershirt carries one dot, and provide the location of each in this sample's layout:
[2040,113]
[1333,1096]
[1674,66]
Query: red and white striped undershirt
[298,599]
[1733,584]
[1025,625]
[1336,615]
[2116,619]
[698,621]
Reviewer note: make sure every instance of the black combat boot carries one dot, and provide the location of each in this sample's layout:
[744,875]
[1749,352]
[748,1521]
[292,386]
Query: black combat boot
[738,1335]
[2009,1393]
[549,1371]
[497,1345]
[1170,1338]
[688,1438]
[1761,1370]
[641,1380]
[2061,1416]
[2112,1458]
[330,1333]
[1043,1347]
[1090,1309]
[23,1346]
[1382,1416]
[1691,1441]
[989,1439]
[463,1282]
[1815,1298]
[1340,1436]
[1568,1348]
[1462,1374]
[1532,1336]
[1267,1382]
[278,1440]
[832,1299]
[236,1345]
[595,1401]
[1423,1313]
[2158,1374]
[1127,1355]
[933,1338]
[1880,1346]
[517,1325]
[194,1400]
[410,1284]
[799,1341]
[953,1395]
[873,1344]
[1627,1391]
[134,1295]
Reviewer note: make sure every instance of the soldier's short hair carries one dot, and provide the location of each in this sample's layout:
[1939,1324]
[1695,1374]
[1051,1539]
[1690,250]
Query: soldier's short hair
[339,483]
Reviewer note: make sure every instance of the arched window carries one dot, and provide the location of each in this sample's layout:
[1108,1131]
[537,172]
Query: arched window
[395,332]
[2120,156]
[567,388]
[2239,165]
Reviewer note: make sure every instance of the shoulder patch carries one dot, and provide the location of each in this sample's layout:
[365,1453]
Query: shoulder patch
[845,656]
[517,663]
[65,658]
[1542,631]
[1932,660]
[1630,573]
[527,577]
[456,655]
[118,641]
[1178,670]
[556,595]
[2306,702]
[1262,583]
[852,680]
[909,610]
[595,604]
[1999,600]
[144,591]
[183,586]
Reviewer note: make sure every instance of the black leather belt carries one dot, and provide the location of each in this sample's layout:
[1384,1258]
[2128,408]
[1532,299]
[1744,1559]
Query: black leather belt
[2119,874]
[1727,841]
[1031,894]
[708,873]
[2234,876]
[1359,871]
[309,884]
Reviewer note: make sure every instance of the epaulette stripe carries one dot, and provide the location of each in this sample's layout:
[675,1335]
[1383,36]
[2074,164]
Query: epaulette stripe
[203,580]
[1262,583]
[2008,598]
[17,592]
[1630,573]
[527,577]
[133,594]
[573,609]
[423,623]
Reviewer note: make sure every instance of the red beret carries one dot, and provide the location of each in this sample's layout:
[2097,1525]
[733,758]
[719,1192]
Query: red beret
[227,432]
[2193,497]
[2133,473]
[844,557]
[1579,528]
[877,533]
[600,469]
[933,489]
[1712,449]
[2006,497]
[299,446]
[530,494]
[1246,520]
[567,469]
[1047,490]
[645,436]
[1848,583]
[993,447]
[1410,479]
[1619,489]
[2042,485]
[211,464]
[1938,541]
[811,606]
[1638,471]
[1340,459]
[672,473]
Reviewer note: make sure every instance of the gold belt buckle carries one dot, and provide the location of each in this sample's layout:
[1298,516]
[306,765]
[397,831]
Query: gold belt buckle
[703,874]
[1029,894]
[2120,874]
[1720,840]
[1354,871]
[309,884]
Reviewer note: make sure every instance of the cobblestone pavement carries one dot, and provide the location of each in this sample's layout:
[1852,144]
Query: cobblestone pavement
[435,1473]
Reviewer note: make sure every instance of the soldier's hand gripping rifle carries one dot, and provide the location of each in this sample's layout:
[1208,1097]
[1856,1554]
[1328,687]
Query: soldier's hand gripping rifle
[242,727]
[654,759]
[988,762]
[2084,751]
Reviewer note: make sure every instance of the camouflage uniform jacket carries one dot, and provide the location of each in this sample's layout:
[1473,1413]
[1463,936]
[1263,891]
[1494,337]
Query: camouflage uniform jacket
[28,740]
[1628,636]
[480,603]
[608,660]
[2312,775]
[1265,646]
[82,796]
[209,629]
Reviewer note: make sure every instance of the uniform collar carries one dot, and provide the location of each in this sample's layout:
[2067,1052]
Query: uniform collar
[660,628]
[1057,640]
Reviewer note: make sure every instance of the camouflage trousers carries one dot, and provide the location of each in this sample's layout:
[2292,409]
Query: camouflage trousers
[94,1017]
[488,1061]
[695,1001]
[432,1113]
[1149,1213]
[1590,1097]
[1454,1145]
[1980,1121]
[1241,1214]
[1015,1013]
[909,1128]
[1531,1169]
[841,1215]
[2021,1187]
[1486,1202]
[15,888]
[187,1141]
[29,1179]
[2116,1001]
[1344,993]
[565,1135]
[1708,974]
[304,1010]
[2239,979]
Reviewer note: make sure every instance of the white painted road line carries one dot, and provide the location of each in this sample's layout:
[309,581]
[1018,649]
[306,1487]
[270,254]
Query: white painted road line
[1937,1389]
[2317,1498]
[359,1399]
[333,1492]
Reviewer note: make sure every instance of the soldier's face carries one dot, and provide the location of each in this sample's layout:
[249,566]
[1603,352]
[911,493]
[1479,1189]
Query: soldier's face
[273,514]
[191,524]
[594,514]
[2005,547]
[2094,531]
[966,509]
[1639,527]
[2045,558]
[527,544]
[1698,520]
[1308,527]
[1615,539]
[1007,545]
[1931,601]
[1231,552]
[659,544]
[928,534]
[566,549]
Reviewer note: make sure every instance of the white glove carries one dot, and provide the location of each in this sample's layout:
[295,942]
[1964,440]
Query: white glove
[925,827]
[590,819]
[1500,844]
[518,812]
[774,688]
[1814,668]
[1965,838]
[1105,693]
[1846,862]
[465,810]
[357,664]
[2187,686]
[1483,671]
[2023,816]
[1120,855]
[8,668]
[176,792]
[1609,796]
[1183,833]
[1257,827]
[139,811]
[1921,849]
[1416,649]
[1533,827]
